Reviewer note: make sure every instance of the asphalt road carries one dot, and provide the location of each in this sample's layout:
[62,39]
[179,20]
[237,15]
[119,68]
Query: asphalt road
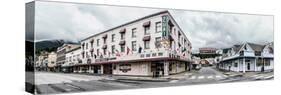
[47,83]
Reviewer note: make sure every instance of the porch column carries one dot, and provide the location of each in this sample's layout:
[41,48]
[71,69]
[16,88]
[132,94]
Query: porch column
[255,63]
[238,66]
[244,69]
[166,68]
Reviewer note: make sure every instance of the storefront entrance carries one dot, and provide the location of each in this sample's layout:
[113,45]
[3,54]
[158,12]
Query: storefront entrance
[97,69]
[157,69]
[107,69]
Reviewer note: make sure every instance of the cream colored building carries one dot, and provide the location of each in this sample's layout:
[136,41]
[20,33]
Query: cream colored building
[153,45]
[52,59]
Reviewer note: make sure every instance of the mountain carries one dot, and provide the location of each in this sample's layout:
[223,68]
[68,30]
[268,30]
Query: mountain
[51,45]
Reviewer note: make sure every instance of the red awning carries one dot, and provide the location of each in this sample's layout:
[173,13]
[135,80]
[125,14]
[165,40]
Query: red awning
[122,42]
[104,46]
[146,24]
[146,38]
[104,36]
[123,30]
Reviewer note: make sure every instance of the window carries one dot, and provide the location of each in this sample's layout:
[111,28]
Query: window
[158,27]
[257,53]
[92,44]
[113,49]
[104,51]
[146,44]
[104,40]
[157,42]
[134,31]
[134,45]
[266,62]
[146,30]
[113,38]
[98,52]
[122,48]
[122,36]
[259,62]
[86,45]
[235,64]
[98,42]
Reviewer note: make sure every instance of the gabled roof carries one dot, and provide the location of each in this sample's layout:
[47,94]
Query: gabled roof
[236,48]
[256,47]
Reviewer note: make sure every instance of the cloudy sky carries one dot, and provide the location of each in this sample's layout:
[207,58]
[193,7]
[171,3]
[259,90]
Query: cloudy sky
[204,29]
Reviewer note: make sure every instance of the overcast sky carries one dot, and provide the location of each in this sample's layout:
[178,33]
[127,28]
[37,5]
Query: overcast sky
[204,29]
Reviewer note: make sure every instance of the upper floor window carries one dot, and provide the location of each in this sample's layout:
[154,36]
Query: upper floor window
[122,48]
[104,51]
[146,44]
[122,36]
[113,38]
[113,49]
[134,31]
[146,30]
[157,42]
[104,41]
[98,52]
[98,42]
[134,45]
[86,45]
[158,27]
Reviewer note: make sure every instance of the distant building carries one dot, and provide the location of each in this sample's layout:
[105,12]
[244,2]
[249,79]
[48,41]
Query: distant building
[61,51]
[248,57]
[72,60]
[41,62]
[52,60]
[207,50]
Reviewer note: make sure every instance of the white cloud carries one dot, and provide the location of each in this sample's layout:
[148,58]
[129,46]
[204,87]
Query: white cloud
[204,29]
[64,21]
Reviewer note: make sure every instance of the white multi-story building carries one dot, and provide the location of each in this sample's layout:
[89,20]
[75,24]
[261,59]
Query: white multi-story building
[61,51]
[73,57]
[248,57]
[153,45]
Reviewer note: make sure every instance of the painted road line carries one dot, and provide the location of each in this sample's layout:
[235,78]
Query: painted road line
[225,76]
[270,76]
[201,77]
[193,77]
[210,77]
[218,76]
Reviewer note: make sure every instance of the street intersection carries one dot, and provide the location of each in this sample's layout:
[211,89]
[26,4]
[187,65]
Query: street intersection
[47,82]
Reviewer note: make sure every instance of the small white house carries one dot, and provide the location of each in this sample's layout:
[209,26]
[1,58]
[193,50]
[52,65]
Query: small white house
[248,57]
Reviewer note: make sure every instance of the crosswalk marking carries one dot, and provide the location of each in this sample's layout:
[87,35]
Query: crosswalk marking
[193,77]
[209,77]
[201,77]
[217,76]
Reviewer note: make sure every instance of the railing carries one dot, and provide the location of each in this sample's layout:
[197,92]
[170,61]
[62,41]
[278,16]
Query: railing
[134,56]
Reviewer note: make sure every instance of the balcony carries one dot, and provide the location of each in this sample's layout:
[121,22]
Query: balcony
[161,53]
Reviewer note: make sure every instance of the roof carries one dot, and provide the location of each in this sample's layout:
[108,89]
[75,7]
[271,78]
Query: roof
[148,16]
[256,47]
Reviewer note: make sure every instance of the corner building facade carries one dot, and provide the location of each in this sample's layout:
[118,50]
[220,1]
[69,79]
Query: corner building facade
[153,45]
